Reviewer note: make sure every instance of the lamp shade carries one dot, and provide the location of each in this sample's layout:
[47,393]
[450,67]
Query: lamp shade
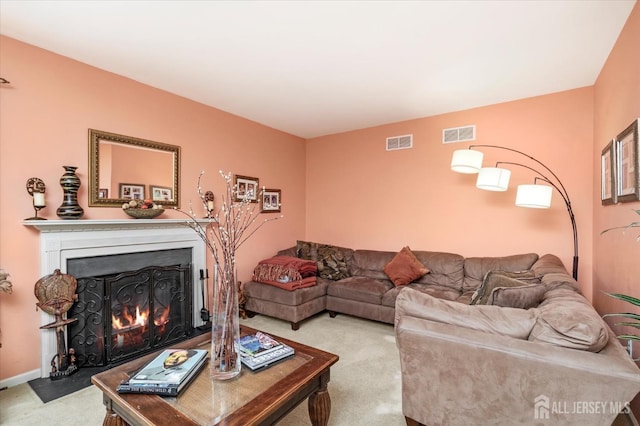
[466,161]
[493,179]
[534,196]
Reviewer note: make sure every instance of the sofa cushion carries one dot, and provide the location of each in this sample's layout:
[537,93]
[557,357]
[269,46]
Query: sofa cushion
[441,292]
[370,263]
[511,322]
[548,264]
[445,269]
[333,261]
[504,279]
[404,267]
[362,289]
[566,319]
[475,268]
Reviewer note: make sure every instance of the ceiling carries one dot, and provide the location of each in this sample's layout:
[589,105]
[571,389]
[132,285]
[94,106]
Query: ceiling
[312,68]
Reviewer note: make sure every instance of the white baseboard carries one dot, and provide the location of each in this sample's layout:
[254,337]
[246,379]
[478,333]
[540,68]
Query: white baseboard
[20,379]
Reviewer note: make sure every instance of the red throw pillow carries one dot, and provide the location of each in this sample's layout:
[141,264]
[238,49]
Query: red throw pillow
[404,268]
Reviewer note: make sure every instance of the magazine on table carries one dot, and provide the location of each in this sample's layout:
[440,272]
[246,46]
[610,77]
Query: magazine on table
[258,344]
[172,366]
[167,389]
[262,361]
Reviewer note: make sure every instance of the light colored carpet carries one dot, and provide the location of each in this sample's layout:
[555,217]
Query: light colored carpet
[365,386]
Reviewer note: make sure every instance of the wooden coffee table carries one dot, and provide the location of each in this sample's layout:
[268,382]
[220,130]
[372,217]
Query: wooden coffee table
[260,398]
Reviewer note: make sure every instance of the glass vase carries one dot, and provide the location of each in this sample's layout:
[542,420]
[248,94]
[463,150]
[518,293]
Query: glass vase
[225,328]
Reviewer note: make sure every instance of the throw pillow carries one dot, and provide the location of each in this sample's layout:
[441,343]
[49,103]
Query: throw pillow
[331,260]
[332,263]
[404,268]
[307,250]
[522,297]
[494,279]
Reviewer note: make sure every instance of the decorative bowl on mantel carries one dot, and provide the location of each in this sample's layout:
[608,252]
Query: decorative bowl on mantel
[143,213]
[142,209]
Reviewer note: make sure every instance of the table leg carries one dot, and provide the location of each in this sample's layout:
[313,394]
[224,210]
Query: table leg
[320,407]
[113,419]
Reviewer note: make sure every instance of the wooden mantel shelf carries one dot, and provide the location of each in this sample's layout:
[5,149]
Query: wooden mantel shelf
[80,225]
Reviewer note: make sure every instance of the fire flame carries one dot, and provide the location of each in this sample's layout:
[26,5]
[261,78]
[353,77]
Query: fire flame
[140,319]
[130,321]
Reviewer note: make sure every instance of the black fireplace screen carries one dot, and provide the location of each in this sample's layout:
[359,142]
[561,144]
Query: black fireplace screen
[126,315]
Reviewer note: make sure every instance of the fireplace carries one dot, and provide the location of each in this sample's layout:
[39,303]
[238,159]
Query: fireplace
[130,263]
[129,304]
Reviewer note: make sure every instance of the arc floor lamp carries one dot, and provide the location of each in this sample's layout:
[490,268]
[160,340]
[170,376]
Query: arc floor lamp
[532,196]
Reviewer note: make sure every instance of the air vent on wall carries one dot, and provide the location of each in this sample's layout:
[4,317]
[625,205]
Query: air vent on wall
[399,142]
[459,134]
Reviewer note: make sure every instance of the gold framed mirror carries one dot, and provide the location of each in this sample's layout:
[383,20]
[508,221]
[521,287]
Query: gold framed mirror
[122,168]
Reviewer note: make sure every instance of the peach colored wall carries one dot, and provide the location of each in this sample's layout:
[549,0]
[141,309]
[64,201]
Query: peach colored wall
[45,115]
[362,196]
[617,103]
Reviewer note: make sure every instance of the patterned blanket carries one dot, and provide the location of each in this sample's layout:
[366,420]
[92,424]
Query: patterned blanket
[286,272]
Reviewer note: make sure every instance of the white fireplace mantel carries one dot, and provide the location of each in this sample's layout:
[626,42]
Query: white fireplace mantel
[61,240]
[80,225]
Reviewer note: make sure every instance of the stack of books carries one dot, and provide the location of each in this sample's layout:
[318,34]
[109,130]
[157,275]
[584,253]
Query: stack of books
[167,374]
[259,351]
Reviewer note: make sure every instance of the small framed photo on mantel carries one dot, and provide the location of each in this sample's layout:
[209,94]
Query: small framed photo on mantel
[246,188]
[608,173]
[270,201]
[627,163]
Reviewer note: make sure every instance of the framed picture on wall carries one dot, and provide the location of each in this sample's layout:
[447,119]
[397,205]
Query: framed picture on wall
[246,187]
[131,191]
[270,201]
[627,159]
[160,193]
[608,174]
[103,193]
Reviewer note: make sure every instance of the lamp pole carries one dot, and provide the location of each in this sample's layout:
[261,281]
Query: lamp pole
[558,186]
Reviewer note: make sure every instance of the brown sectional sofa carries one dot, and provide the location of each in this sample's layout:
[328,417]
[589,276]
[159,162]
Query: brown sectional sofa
[368,292]
[554,363]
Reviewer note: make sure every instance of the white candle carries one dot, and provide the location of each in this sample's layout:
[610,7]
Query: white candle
[38,199]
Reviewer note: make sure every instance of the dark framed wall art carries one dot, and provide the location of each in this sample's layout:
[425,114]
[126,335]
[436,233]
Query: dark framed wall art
[627,159]
[271,201]
[246,187]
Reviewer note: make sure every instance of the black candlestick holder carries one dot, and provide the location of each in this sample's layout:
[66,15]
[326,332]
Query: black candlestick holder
[36,217]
